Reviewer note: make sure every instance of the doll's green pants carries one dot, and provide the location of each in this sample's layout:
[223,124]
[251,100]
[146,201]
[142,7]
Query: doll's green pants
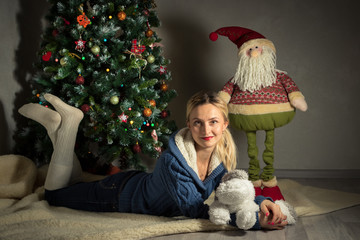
[253,123]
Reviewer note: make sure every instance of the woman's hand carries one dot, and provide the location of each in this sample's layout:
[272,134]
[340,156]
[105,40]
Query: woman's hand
[270,216]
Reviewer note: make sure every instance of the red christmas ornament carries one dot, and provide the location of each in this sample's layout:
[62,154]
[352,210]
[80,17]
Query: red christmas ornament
[80,80]
[164,114]
[85,108]
[55,32]
[46,57]
[137,148]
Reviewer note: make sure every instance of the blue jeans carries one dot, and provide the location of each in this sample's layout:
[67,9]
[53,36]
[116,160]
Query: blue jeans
[98,196]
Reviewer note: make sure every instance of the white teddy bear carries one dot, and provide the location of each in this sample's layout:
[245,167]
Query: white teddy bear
[236,194]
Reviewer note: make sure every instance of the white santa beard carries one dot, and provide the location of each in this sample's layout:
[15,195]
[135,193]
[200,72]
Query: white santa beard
[255,73]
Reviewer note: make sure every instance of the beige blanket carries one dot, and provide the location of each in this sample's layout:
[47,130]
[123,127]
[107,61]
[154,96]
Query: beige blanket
[30,217]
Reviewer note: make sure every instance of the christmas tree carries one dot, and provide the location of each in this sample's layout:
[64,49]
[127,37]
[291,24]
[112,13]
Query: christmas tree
[105,58]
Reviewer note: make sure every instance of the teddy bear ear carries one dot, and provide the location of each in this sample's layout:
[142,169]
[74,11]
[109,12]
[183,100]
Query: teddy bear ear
[242,174]
[227,176]
[237,173]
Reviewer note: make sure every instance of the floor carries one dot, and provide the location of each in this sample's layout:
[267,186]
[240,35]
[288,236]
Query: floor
[343,224]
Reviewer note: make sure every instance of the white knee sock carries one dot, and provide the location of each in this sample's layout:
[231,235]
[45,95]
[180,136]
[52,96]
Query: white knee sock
[51,120]
[60,167]
[47,117]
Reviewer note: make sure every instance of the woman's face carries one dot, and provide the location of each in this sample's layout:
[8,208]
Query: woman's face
[207,124]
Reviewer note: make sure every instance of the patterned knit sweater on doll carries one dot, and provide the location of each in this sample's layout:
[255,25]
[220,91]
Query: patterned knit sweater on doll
[272,99]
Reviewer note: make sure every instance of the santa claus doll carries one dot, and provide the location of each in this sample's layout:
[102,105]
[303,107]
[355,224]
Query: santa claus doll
[259,97]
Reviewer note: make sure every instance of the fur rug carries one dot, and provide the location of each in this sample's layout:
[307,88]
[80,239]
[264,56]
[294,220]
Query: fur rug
[25,215]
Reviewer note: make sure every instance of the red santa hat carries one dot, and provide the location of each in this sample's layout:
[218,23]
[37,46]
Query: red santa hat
[242,37]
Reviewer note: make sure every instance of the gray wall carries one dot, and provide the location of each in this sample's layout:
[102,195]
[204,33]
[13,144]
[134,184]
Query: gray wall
[317,44]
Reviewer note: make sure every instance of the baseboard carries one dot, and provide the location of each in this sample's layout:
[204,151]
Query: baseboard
[325,173]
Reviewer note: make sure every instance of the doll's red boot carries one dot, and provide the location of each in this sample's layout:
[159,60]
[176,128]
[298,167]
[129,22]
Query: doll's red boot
[257,187]
[272,190]
[258,191]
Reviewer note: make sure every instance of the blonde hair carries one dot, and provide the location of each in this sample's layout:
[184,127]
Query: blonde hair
[225,148]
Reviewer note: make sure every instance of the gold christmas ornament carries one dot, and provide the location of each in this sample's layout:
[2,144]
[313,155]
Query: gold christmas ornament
[95,49]
[147,112]
[164,87]
[121,16]
[114,100]
[149,33]
[63,61]
[150,58]
[152,103]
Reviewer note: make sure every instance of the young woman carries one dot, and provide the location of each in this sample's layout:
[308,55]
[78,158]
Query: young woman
[184,177]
